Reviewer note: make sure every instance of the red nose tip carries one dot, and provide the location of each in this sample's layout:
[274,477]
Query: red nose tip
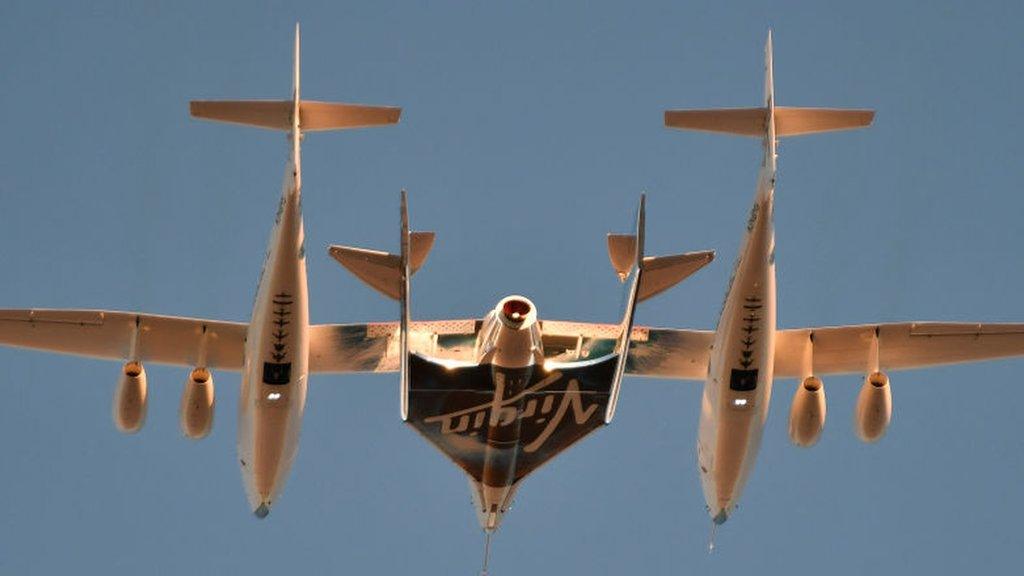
[516,310]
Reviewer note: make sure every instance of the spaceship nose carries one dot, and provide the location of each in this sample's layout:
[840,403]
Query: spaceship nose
[262,511]
[720,518]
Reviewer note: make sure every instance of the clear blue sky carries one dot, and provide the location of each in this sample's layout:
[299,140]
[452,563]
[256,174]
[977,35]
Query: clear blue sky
[529,130]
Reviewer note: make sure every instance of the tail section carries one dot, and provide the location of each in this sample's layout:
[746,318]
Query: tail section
[769,122]
[295,115]
[389,274]
[382,271]
[660,272]
[739,121]
[650,276]
[798,121]
[789,121]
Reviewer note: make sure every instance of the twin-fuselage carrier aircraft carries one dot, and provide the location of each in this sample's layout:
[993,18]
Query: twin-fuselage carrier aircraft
[502,395]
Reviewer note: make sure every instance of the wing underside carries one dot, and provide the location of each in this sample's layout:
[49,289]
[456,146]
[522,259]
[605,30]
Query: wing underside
[900,346]
[113,335]
[373,347]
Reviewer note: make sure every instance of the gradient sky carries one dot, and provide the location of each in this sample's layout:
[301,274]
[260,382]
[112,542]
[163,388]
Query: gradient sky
[529,130]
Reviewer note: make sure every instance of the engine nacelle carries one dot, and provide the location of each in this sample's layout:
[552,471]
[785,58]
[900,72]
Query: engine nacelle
[197,402]
[130,398]
[874,407]
[510,336]
[807,414]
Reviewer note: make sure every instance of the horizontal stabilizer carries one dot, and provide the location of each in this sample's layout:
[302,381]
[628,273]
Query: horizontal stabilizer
[382,271]
[277,114]
[420,244]
[789,121]
[379,270]
[622,253]
[663,272]
[796,121]
[740,121]
[659,272]
[314,116]
[273,114]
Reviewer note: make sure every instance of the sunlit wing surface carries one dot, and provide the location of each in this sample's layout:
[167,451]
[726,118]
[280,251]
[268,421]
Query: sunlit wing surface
[847,349]
[335,348]
[374,347]
[454,407]
[655,352]
[110,335]
[667,353]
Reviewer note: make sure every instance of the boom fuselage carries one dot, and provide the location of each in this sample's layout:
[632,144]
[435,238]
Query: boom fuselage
[274,378]
[738,388]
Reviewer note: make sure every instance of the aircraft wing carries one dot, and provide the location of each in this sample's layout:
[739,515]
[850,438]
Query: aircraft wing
[846,349]
[374,347]
[453,407]
[670,353]
[108,335]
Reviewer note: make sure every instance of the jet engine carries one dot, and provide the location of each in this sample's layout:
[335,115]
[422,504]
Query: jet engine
[197,401]
[130,398]
[874,407]
[807,414]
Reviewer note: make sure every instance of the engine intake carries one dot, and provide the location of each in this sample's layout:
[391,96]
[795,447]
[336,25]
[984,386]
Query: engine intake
[197,403]
[807,414]
[874,407]
[130,398]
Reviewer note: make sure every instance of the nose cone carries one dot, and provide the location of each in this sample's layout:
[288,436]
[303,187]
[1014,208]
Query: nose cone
[721,517]
[262,510]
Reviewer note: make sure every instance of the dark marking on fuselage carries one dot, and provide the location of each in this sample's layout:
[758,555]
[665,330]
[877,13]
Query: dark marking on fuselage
[282,310]
[746,360]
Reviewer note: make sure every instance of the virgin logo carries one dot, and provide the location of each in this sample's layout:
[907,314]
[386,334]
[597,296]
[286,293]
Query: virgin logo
[539,407]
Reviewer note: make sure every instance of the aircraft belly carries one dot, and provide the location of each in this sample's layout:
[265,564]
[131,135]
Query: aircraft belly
[273,395]
[738,392]
[270,418]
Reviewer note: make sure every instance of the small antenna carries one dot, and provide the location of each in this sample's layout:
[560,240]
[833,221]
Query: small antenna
[487,552]
[711,538]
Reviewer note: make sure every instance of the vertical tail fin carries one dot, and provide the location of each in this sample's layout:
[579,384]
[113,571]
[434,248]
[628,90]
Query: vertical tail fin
[295,115]
[769,122]
[389,274]
[650,276]
[403,321]
[635,269]
[296,97]
[770,132]
[769,80]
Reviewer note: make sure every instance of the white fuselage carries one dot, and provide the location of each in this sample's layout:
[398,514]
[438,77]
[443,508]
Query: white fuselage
[273,394]
[738,388]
